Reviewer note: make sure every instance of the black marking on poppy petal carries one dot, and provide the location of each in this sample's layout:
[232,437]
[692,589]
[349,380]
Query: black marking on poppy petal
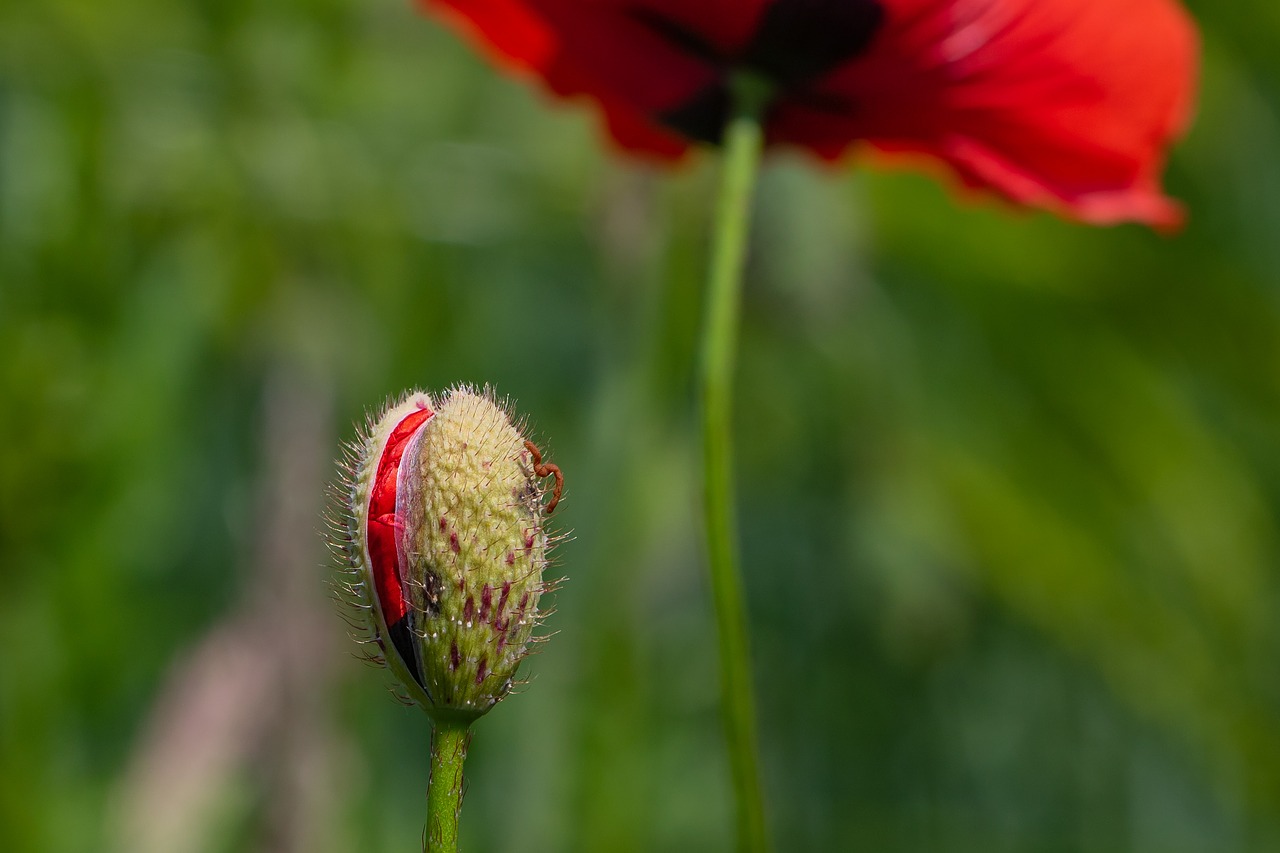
[701,118]
[795,43]
[798,40]
[402,638]
[684,39]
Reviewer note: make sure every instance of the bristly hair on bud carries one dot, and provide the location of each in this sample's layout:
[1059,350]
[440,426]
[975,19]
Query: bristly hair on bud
[439,522]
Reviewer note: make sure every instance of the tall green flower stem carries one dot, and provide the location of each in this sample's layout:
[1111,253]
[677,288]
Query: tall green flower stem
[449,743]
[743,143]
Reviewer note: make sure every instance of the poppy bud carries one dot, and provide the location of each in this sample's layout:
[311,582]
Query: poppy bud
[441,532]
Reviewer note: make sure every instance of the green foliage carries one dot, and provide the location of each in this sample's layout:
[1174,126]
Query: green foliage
[1009,487]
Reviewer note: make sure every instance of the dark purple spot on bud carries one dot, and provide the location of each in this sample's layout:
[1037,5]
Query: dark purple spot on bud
[482,670]
[486,602]
[502,602]
[453,542]
[455,659]
[511,558]
[469,609]
[524,602]
[528,541]
[444,524]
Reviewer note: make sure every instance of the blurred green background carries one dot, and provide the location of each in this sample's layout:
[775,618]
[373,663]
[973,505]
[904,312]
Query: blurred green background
[1009,487]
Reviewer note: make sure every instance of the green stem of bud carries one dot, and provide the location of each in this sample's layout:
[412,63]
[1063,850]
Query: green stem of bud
[743,144]
[449,743]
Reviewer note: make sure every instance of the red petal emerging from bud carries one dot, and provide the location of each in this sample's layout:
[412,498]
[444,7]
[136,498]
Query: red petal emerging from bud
[385,535]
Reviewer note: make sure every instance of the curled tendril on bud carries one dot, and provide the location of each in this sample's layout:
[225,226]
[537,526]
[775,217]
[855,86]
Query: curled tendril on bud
[547,469]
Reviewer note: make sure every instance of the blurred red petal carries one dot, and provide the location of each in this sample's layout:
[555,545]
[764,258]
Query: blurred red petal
[1067,104]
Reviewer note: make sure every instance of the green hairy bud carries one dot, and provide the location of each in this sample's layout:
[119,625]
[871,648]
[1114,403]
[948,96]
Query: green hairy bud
[441,530]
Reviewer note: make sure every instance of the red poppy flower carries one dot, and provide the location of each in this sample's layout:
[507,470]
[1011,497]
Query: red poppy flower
[1066,104]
